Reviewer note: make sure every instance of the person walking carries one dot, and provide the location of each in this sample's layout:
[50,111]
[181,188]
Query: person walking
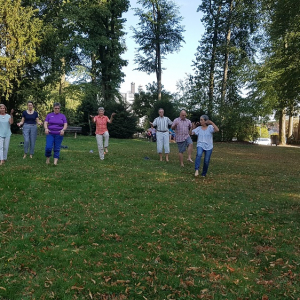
[182,127]
[162,134]
[101,130]
[204,142]
[5,121]
[55,125]
[29,121]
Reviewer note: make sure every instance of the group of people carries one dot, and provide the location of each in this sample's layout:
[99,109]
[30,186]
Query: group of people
[56,124]
[184,128]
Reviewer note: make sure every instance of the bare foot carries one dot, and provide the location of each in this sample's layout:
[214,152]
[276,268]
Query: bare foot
[190,160]
[30,156]
[55,161]
[182,165]
[196,173]
[167,159]
[106,150]
[48,160]
[24,156]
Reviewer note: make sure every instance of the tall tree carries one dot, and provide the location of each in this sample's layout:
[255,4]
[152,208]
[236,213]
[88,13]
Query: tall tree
[20,35]
[158,33]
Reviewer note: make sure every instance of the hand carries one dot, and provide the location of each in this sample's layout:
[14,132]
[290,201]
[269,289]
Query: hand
[113,114]
[20,124]
[62,132]
[40,123]
[209,122]
[92,116]
[12,111]
[151,123]
[47,131]
[194,125]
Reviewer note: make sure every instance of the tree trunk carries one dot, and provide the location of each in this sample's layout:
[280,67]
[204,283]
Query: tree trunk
[62,84]
[282,127]
[291,128]
[213,63]
[158,55]
[299,130]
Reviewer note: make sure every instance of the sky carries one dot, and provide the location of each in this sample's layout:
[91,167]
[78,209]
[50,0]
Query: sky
[177,65]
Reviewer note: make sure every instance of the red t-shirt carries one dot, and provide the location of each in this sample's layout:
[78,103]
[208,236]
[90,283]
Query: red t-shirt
[101,124]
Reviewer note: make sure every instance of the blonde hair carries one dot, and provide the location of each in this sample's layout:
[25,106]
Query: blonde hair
[4,106]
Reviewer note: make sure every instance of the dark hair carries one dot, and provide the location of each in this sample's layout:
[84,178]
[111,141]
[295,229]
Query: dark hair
[29,102]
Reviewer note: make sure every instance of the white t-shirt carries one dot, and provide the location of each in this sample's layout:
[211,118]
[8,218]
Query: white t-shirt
[205,137]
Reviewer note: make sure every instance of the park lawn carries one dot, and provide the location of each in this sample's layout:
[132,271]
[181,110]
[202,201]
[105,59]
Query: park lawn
[131,227]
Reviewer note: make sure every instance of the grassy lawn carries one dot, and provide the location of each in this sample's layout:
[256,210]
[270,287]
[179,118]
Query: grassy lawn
[135,228]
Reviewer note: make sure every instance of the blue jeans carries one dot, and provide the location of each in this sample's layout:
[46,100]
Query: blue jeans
[29,134]
[207,155]
[53,141]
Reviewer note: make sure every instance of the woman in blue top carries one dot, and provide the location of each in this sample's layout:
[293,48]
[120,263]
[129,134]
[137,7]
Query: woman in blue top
[204,142]
[5,121]
[29,120]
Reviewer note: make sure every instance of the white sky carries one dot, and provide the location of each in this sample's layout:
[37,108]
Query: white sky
[176,64]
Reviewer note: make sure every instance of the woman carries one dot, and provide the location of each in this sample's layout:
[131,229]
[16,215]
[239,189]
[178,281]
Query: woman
[29,120]
[204,142]
[55,125]
[101,130]
[5,132]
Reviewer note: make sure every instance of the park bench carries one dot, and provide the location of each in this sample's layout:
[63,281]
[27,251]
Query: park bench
[74,129]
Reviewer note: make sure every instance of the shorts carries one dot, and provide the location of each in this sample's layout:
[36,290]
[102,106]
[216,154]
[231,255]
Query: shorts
[183,145]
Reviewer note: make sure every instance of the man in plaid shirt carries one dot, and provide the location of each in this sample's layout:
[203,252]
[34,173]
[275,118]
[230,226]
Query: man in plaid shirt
[182,128]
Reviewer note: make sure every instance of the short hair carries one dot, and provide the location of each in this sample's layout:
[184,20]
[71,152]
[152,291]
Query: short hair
[204,117]
[29,102]
[56,104]
[1,104]
[101,108]
[160,109]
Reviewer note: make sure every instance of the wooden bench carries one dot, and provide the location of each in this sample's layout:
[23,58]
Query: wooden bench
[74,129]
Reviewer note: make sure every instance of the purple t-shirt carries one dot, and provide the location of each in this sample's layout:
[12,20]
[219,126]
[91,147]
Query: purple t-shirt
[55,122]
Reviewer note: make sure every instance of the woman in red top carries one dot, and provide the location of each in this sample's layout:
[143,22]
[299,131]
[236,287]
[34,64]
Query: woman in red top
[101,130]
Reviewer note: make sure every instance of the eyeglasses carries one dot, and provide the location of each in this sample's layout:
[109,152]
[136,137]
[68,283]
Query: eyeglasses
[56,107]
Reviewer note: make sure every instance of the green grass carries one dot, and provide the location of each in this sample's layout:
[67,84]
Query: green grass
[131,228]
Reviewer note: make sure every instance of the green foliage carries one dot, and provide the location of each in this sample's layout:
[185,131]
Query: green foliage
[20,35]
[169,110]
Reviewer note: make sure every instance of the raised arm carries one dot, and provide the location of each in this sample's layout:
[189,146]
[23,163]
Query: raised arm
[111,117]
[216,128]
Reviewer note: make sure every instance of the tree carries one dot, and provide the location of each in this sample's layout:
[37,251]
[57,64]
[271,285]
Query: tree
[20,35]
[158,33]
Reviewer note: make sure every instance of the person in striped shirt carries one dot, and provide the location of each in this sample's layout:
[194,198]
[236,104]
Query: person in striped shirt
[162,124]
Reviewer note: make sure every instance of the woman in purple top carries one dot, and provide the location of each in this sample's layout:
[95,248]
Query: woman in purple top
[55,125]
[29,120]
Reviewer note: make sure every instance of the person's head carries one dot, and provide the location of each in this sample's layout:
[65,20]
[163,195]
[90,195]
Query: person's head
[161,112]
[203,120]
[101,111]
[30,105]
[3,109]
[182,115]
[56,107]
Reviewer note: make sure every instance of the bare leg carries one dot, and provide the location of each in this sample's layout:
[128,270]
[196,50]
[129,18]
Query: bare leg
[181,159]
[167,156]
[189,151]
[160,156]
[55,161]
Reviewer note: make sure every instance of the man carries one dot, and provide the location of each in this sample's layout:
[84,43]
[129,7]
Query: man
[182,128]
[162,134]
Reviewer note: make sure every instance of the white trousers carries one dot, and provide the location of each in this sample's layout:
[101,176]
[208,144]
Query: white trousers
[99,138]
[4,144]
[162,141]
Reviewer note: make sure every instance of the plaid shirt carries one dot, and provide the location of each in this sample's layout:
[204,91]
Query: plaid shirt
[182,130]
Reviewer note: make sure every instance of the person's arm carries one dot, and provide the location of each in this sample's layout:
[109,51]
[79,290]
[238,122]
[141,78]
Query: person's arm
[192,128]
[216,128]
[111,118]
[62,132]
[11,119]
[22,122]
[46,127]
[174,124]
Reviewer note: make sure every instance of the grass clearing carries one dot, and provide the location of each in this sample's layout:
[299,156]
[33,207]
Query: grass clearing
[135,228]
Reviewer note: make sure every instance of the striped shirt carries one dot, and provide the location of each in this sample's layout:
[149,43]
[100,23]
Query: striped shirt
[162,123]
[182,130]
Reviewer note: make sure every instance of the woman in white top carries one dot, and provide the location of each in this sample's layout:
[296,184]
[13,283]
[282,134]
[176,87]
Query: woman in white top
[204,142]
[5,132]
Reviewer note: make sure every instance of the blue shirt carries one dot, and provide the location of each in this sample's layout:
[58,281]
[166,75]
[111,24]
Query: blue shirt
[205,137]
[29,118]
[5,126]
